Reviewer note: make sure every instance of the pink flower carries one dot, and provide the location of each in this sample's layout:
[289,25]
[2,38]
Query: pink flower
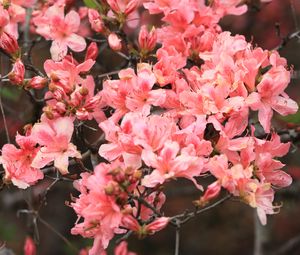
[270,95]
[169,164]
[54,136]
[100,213]
[17,162]
[54,25]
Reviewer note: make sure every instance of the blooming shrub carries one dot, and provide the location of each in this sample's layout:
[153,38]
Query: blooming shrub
[181,107]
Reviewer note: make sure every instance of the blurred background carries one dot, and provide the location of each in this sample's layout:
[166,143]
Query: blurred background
[228,229]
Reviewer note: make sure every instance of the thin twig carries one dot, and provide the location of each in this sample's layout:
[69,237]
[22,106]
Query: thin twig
[185,217]
[46,224]
[177,238]
[124,237]
[3,115]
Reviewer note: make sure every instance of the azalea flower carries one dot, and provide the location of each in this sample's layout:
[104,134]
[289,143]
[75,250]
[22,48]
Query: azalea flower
[54,25]
[54,137]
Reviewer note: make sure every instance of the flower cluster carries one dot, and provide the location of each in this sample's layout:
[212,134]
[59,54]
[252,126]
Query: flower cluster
[182,111]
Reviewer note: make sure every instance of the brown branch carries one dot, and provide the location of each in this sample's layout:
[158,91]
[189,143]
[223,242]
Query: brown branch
[185,217]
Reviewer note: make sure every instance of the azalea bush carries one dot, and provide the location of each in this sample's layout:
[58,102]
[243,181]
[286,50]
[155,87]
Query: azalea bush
[185,100]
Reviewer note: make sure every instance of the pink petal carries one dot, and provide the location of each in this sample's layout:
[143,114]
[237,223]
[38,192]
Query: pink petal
[72,19]
[264,116]
[58,50]
[284,106]
[76,42]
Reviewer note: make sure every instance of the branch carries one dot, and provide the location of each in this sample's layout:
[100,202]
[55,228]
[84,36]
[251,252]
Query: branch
[185,217]
[287,39]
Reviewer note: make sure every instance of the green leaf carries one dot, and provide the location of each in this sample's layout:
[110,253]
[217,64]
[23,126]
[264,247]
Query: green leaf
[91,4]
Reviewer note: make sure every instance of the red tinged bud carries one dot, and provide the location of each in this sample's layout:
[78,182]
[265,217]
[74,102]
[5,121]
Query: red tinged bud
[147,40]
[157,225]
[37,82]
[92,51]
[212,191]
[9,44]
[95,20]
[16,76]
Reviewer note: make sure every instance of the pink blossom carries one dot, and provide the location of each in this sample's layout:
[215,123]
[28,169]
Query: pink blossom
[169,164]
[54,25]
[54,137]
[17,162]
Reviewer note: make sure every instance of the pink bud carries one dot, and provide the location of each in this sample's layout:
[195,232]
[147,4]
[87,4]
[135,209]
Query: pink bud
[9,43]
[29,247]
[147,40]
[37,82]
[95,20]
[17,73]
[92,51]
[131,223]
[157,225]
[114,42]
[212,191]
[131,6]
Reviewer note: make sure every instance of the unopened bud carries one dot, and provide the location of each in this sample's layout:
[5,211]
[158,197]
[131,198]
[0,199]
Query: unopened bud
[9,44]
[114,42]
[37,82]
[92,51]
[95,20]
[147,40]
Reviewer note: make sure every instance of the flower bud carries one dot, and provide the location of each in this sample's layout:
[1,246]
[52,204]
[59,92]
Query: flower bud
[16,76]
[131,7]
[212,191]
[29,247]
[114,42]
[37,82]
[9,44]
[157,225]
[131,223]
[92,51]
[147,40]
[95,20]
